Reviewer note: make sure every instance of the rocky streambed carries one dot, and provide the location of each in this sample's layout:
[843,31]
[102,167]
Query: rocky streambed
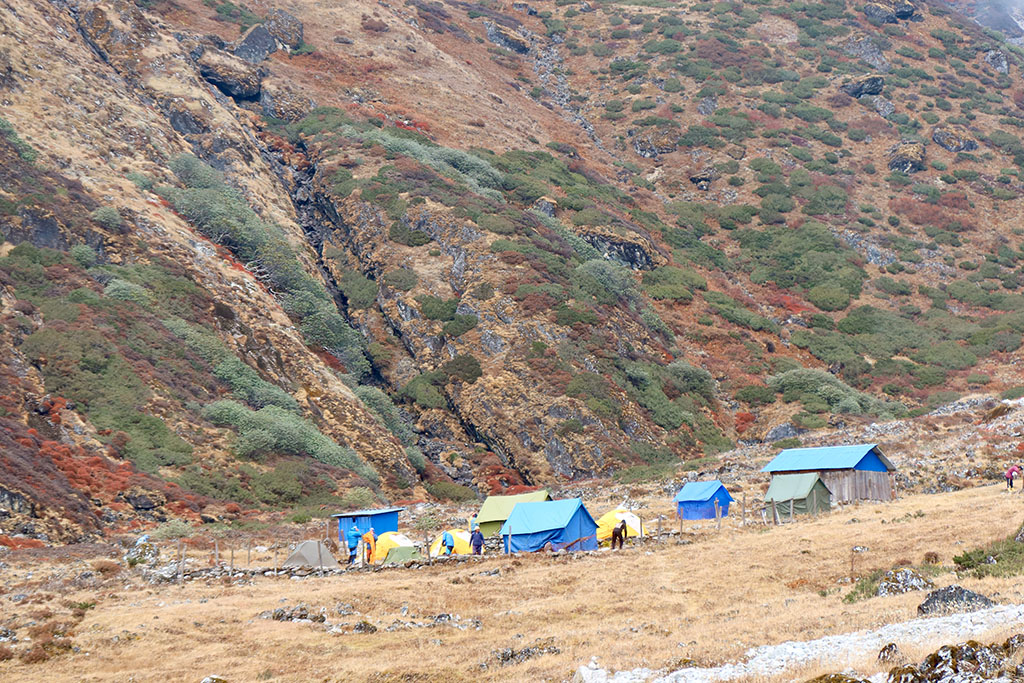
[769,660]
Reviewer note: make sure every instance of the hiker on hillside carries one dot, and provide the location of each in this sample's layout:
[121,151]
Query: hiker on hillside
[619,534]
[352,537]
[370,544]
[476,539]
[1014,471]
[448,541]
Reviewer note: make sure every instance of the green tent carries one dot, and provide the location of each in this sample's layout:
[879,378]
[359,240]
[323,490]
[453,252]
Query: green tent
[402,554]
[496,509]
[800,493]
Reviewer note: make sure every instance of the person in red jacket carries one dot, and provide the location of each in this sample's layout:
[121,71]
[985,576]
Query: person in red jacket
[1014,471]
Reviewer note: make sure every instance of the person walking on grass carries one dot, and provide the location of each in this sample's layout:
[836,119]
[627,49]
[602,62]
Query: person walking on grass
[1014,471]
[619,534]
[352,537]
[476,540]
[448,541]
[369,545]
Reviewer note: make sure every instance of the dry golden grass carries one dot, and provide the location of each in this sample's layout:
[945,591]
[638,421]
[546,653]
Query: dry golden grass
[647,606]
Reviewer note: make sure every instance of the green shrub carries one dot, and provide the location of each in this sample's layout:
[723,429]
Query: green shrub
[833,392]
[446,490]
[947,354]
[497,224]
[459,325]
[606,282]
[401,232]
[384,409]
[435,308]
[465,367]
[23,149]
[755,395]
[83,255]
[359,290]
[273,430]
[829,297]
[425,390]
[402,279]
[108,217]
[127,291]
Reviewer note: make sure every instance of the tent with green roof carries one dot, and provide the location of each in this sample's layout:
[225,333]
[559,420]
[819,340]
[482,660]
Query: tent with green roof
[798,494]
[402,554]
[496,509]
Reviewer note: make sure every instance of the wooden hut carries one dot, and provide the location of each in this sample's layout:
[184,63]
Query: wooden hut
[851,473]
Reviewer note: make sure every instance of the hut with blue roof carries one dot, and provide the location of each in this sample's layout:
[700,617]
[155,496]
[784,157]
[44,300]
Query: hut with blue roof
[851,473]
[696,500]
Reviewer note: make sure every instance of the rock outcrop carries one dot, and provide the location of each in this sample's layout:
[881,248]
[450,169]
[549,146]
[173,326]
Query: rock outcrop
[652,144]
[234,76]
[953,599]
[953,140]
[256,45]
[998,61]
[907,157]
[903,580]
[865,85]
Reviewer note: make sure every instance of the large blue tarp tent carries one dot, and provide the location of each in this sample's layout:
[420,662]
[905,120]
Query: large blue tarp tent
[696,500]
[565,524]
[383,520]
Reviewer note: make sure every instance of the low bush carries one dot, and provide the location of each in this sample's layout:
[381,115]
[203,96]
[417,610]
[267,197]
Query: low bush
[402,279]
[446,490]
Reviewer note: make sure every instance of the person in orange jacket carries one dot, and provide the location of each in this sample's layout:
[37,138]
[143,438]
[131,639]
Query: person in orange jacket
[370,544]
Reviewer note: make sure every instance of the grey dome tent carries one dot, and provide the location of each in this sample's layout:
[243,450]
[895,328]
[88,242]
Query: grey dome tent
[313,554]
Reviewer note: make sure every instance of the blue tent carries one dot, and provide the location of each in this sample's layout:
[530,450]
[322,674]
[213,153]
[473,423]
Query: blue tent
[383,520]
[565,524]
[696,500]
[861,457]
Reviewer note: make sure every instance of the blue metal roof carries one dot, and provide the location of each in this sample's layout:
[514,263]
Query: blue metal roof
[527,518]
[367,513]
[699,491]
[825,458]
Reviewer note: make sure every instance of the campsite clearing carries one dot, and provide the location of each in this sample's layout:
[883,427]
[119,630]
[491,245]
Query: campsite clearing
[709,599]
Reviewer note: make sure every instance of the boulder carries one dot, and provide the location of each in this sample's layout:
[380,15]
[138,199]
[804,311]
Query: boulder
[903,580]
[865,85]
[256,45]
[952,140]
[879,14]
[707,105]
[903,9]
[782,431]
[882,106]
[1020,536]
[997,60]
[285,28]
[507,38]
[235,77]
[953,599]
[141,553]
[964,663]
[702,179]
[890,654]
[866,48]
[281,102]
[143,500]
[653,143]
[906,157]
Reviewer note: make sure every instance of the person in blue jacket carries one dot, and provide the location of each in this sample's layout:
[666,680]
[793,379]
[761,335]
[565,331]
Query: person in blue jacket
[352,537]
[476,539]
[448,541]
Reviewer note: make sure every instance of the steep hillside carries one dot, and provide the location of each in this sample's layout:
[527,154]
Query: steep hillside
[348,251]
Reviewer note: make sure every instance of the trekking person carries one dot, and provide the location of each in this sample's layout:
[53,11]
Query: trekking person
[476,539]
[619,534]
[370,544]
[352,537]
[1014,471]
[448,541]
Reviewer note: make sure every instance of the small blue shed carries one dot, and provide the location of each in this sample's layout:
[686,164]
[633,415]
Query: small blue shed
[385,519]
[565,524]
[854,472]
[696,500]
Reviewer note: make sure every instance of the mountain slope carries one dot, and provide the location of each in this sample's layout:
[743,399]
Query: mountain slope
[342,252]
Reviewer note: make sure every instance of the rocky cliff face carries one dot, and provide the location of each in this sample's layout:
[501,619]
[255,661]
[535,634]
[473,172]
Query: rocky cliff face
[303,255]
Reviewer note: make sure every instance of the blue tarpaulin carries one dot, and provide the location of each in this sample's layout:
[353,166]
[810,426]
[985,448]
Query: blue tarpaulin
[382,521]
[696,500]
[864,457]
[565,524]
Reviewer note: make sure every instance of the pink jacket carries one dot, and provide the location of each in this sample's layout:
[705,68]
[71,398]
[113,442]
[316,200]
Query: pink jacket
[1012,471]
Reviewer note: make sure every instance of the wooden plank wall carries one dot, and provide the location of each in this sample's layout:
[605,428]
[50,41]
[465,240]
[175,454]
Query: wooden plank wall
[851,485]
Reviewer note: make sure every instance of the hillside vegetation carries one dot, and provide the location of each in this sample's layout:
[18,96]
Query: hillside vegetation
[349,253]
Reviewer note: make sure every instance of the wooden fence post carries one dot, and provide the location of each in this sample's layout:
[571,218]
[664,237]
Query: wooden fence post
[231,567]
[181,562]
[791,509]
[275,559]
[248,554]
[743,510]
[216,552]
[814,502]
[775,516]
[659,527]
[319,558]
[718,515]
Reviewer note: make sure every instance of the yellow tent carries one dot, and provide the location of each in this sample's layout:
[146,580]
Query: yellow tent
[387,541]
[612,518]
[461,547]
